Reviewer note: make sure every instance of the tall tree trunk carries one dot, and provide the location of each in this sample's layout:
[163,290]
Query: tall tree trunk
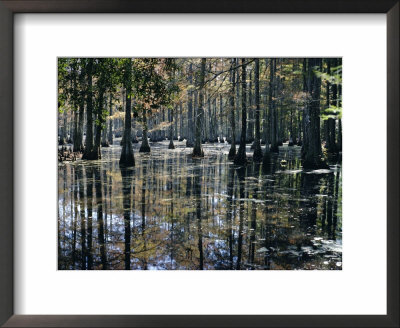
[171,128]
[78,139]
[339,104]
[105,135]
[76,133]
[265,113]
[311,151]
[63,135]
[190,125]
[197,150]
[237,133]
[88,152]
[78,143]
[145,147]
[221,122]
[272,108]
[250,122]
[330,123]
[99,126]
[240,157]
[258,155]
[232,150]
[175,122]
[110,125]
[127,159]
[181,127]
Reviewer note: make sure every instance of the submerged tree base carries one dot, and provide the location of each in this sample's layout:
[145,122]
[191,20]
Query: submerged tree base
[197,152]
[232,153]
[314,164]
[266,159]
[274,149]
[240,158]
[258,155]
[144,148]
[127,161]
[171,145]
[90,155]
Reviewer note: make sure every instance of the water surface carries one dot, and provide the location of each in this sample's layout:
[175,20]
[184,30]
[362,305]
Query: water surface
[174,212]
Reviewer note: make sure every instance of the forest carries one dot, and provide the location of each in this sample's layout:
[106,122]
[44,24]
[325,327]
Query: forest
[199,163]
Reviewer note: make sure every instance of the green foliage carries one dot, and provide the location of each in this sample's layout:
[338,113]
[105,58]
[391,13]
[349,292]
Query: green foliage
[153,82]
[331,112]
[334,78]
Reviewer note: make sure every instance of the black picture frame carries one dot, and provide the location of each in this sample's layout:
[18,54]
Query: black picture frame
[7,10]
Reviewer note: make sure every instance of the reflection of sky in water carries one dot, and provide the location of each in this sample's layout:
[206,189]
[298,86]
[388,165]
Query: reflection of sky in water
[181,213]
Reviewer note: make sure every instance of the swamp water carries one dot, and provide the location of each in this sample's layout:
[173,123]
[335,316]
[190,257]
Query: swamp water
[174,212]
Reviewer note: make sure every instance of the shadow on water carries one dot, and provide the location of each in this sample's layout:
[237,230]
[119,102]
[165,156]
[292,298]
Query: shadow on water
[173,212]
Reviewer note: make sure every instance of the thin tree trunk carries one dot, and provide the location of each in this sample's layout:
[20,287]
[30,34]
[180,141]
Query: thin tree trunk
[240,157]
[197,149]
[171,128]
[110,125]
[232,150]
[330,123]
[272,108]
[190,123]
[258,155]
[88,152]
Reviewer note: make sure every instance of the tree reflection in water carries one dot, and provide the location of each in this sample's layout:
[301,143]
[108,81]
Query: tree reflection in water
[174,212]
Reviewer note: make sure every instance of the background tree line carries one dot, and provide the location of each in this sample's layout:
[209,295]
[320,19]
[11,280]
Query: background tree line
[262,102]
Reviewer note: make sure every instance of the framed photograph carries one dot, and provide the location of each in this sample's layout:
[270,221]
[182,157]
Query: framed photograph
[205,164]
